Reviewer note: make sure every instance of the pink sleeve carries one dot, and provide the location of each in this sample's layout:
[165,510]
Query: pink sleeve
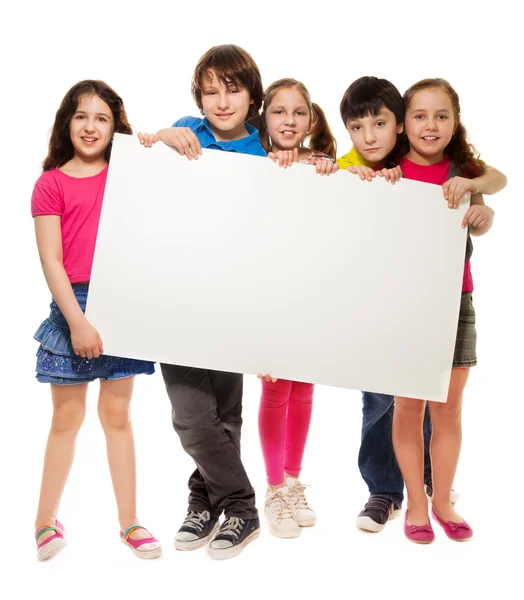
[47,199]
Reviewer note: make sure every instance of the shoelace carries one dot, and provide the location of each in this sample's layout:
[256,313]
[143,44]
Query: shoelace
[232,526]
[196,520]
[298,496]
[278,505]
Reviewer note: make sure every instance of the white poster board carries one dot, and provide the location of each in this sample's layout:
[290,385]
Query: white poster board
[234,264]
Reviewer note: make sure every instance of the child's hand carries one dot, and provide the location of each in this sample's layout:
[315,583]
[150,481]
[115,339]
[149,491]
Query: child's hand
[86,340]
[391,175]
[456,187]
[365,173]
[324,166]
[148,139]
[267,377]
[182,139]
[285,158]
[478,216]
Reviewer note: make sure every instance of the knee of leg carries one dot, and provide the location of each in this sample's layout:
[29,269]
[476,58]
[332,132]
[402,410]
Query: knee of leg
[445,412]
[198,443]
[273,400]
[114,417]
[410,408]
[68,419]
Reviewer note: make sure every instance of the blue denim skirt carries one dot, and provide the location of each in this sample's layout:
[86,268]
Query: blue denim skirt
[57,363]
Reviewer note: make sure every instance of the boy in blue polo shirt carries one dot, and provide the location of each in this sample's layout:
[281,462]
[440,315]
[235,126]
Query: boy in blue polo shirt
[207,405]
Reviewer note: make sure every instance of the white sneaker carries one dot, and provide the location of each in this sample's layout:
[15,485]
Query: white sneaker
[278,513]
[300,509]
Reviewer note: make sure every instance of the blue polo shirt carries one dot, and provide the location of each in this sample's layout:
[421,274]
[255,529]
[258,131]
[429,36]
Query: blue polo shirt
[246,145]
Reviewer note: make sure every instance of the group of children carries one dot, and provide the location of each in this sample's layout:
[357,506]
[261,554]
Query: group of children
[418,136]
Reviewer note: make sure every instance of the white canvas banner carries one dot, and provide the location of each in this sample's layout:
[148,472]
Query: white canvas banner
[232,263]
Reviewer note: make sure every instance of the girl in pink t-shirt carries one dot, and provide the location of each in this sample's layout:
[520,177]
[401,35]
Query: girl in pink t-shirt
[439,153]
[288,119]
[66,205]
[373,112]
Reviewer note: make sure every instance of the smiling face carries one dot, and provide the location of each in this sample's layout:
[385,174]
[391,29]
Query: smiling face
[374,137]
[287,119]
[91,128]
[225,106]
[430,125]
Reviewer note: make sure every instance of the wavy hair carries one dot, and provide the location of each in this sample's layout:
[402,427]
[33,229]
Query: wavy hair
[459,149]
[61,148]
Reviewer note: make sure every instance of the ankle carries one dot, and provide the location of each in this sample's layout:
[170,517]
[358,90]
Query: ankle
[42,521]
[441,504]
[418,508]
[125,523]
[276,486]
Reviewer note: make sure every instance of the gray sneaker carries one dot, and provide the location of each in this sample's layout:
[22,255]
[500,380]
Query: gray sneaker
[377,511]
[196,531]
[233,536]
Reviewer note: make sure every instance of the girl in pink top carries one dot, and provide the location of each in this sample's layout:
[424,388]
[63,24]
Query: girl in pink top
[66,205]
[288,119]
[438,150]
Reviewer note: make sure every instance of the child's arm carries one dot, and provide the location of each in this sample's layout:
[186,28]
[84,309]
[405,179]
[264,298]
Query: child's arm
[84,337]
[490,182]
[181,138]
[479,217]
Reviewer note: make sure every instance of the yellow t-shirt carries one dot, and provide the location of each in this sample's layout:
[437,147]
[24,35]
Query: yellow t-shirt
[353,158]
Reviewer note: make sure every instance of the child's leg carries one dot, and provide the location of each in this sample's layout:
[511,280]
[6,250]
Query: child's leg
[69,405]
[180,388]
[297,426]
[408,441]
[113,410]
[198,398]
[427,442]
[446,443]
[272,427]
[376,459]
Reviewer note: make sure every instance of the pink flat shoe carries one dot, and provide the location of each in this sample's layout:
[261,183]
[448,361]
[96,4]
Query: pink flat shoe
[458,532]
[420,534]
[145,548]
[50,546]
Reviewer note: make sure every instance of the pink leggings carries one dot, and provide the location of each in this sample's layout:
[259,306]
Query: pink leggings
[283,424]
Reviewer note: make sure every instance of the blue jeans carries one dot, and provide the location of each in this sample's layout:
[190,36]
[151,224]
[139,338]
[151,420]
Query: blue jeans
[376,459]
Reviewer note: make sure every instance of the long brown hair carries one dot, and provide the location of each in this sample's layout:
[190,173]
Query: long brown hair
[320,138]
[459,149]
[61,149]
[233,66]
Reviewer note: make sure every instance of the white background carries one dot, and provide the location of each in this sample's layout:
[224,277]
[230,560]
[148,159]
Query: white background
[148,54]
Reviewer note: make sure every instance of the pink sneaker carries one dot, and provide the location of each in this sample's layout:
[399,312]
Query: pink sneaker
[458,532]
[145,548]
[420,534]
[50,546]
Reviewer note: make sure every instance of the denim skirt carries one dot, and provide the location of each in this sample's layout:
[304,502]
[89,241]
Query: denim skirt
[57,363]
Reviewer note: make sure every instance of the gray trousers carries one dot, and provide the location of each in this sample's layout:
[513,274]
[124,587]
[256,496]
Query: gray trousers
[207,415]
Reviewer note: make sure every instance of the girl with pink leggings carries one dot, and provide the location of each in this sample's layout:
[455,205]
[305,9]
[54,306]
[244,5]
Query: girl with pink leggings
[288,118]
